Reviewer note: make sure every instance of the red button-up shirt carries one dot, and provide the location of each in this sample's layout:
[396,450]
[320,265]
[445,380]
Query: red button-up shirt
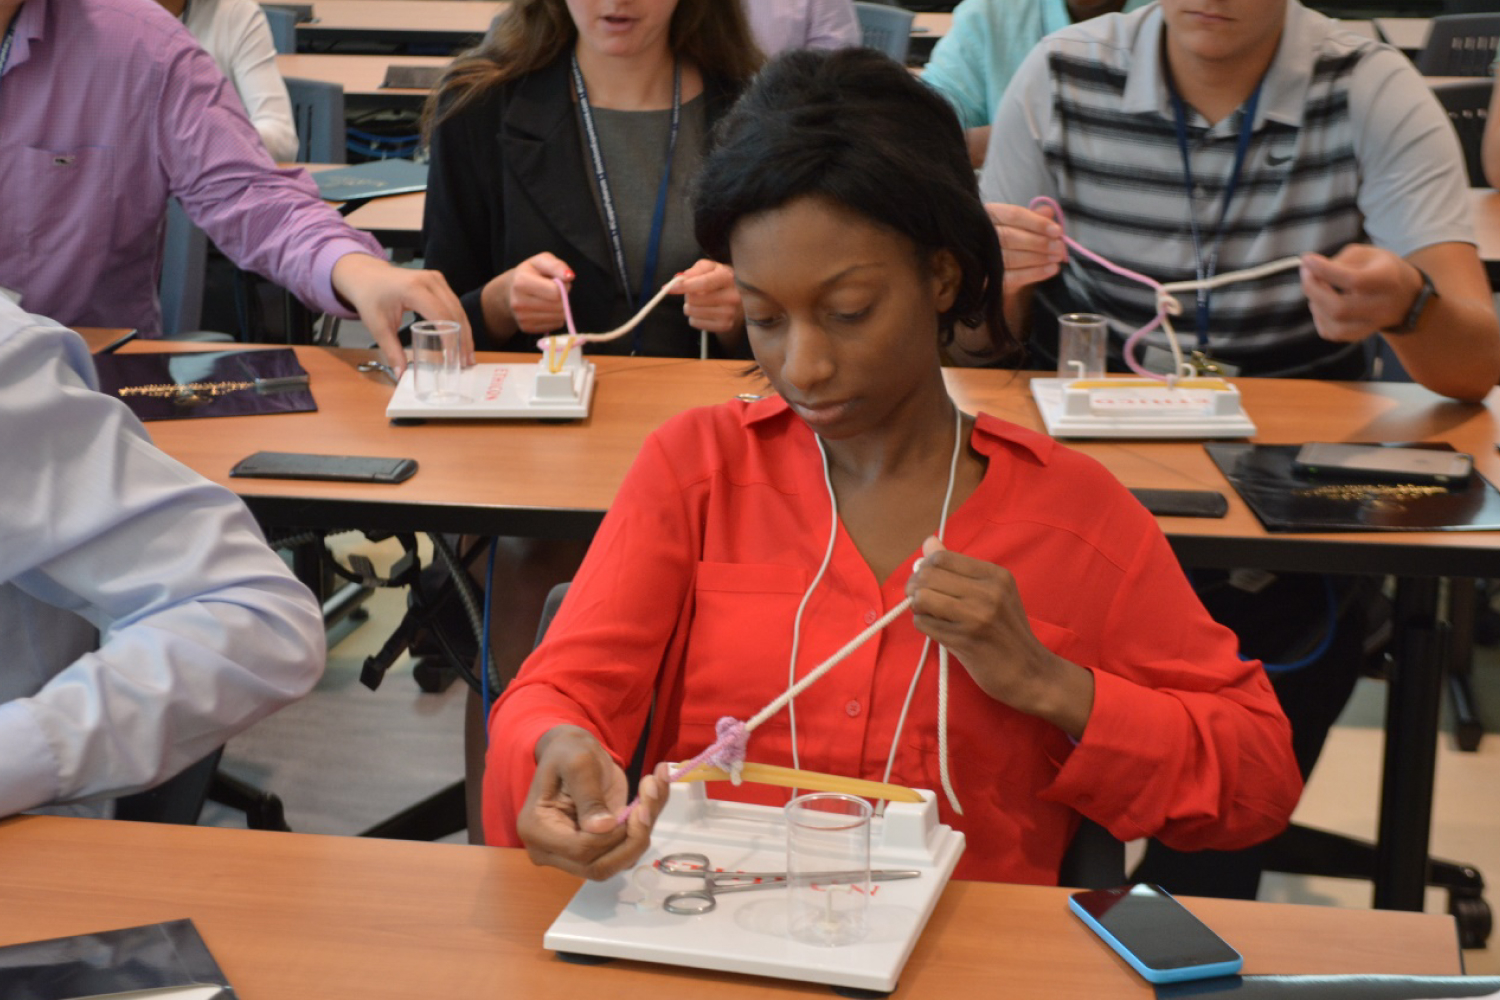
[689,592]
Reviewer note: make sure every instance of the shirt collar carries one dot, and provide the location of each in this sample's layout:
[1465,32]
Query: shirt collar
[991,434]
[1286,80]
[29,22]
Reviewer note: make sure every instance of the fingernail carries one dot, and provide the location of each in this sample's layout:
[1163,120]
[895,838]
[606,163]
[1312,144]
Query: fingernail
[916,567]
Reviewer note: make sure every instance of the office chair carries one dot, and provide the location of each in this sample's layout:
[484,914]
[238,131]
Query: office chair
[177,800]
[318,114]
[318,111]
[283,22]
[184,260]
[1460,45]
[885,29]
[1467,103]
[1094,858]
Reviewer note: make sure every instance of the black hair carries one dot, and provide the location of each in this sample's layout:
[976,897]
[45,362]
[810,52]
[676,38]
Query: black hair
[856,128]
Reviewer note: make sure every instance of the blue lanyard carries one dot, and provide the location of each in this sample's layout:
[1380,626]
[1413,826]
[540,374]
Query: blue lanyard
[1247,129]
[611,220]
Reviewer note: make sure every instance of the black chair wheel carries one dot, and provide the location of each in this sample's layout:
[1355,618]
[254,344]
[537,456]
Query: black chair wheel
[432,675]
[1472,914]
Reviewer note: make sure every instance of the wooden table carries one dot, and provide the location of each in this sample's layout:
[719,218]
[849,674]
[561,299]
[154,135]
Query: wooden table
[556,481]
[361,76]
[931,26]
[1409,34]
[1484,204]
[298,916]
[395,220]
[447,24]
[565,475]
[102,339]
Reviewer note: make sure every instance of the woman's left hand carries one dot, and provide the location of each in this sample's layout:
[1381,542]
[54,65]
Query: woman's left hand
[974,608]
[710,300]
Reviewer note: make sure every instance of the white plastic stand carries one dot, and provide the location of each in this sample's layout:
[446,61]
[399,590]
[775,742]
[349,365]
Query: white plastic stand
[747,932]
[1141,408]
[507,392]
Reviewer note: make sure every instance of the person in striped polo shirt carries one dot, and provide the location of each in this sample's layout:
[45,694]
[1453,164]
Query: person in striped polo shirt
[1203,136]
[1195,137]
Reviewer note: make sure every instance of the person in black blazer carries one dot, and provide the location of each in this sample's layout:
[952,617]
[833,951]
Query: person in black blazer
[514,202]
[513,198]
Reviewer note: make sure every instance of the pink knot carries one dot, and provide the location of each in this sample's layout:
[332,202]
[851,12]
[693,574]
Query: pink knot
[728,751]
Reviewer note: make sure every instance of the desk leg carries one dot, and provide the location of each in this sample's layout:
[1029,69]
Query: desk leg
[1411,732]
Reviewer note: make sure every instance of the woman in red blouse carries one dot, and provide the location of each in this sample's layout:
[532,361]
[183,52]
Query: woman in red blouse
[1087,678]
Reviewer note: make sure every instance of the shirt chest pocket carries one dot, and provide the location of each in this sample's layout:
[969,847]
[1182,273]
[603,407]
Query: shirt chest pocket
[741,636]
[54,182]
[986,735]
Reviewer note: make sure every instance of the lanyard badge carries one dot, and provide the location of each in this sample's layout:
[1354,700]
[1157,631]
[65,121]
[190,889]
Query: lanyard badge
[607,201]
[1206,269]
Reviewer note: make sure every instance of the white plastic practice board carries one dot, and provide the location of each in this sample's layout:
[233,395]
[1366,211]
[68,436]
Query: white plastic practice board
[1141,408]
[623,918]
[507,392]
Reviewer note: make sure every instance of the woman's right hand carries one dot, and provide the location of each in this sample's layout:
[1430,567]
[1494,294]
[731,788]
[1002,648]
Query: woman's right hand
[1030,242]
[571,816]
[527,296]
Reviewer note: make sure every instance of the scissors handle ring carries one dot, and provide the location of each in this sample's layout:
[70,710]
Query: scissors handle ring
[690,903]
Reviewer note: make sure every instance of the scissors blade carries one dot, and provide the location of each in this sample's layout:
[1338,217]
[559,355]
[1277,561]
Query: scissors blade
[876,875]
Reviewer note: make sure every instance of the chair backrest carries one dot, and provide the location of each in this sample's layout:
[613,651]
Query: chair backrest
[1468,103]
[184,264]
[178,800]
[318,111]
[1461,45]
[283,23]
[1094,859]
[886,29]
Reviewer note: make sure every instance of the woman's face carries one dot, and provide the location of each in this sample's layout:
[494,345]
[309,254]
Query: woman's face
[622,27]
[842,314]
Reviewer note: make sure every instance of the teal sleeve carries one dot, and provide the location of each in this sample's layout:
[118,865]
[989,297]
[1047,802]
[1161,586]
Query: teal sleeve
[960,64]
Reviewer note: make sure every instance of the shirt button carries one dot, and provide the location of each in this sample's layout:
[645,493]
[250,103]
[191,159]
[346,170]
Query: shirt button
[852,708]
[1199,192]
[871,618]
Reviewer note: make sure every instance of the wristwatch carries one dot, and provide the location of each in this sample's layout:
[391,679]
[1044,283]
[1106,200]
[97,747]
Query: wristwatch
[1425,295]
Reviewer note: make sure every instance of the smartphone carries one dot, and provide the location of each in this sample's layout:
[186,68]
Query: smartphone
[1377,463]
[346,468]
[1156,934]
[1182,503]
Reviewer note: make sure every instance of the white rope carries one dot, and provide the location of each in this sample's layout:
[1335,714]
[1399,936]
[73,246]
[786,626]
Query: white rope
[817,672]
[813,676]
[563,340]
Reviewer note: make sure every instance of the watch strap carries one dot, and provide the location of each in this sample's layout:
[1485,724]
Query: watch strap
[1425,295]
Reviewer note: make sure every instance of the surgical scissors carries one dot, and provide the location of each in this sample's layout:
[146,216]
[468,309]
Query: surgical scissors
[715,883]
[377,366]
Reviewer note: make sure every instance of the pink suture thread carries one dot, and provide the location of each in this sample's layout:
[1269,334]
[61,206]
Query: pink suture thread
[1161,295]
[562,289]
[728,752]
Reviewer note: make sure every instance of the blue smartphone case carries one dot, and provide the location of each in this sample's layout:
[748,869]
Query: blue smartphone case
[1151,975]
